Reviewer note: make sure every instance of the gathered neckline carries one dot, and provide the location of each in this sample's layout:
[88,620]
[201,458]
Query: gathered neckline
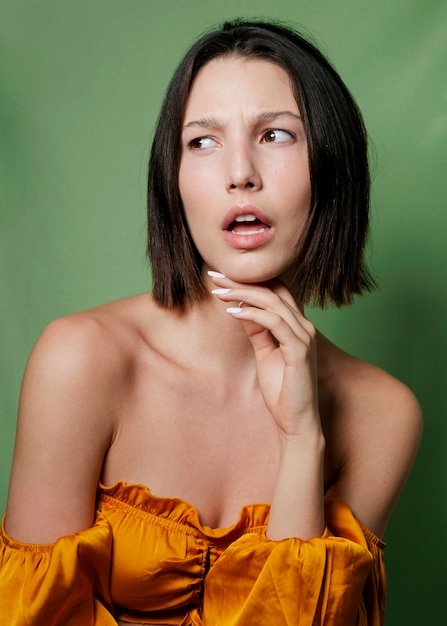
[184,516]
[252,517]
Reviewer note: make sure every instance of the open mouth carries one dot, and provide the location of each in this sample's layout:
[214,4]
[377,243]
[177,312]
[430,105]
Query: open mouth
[247,225]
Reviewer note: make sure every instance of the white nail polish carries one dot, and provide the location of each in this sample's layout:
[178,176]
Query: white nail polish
[220,292]
[234,309]
[215,274]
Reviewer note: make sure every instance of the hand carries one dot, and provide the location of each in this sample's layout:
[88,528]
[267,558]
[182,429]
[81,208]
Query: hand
[284,342]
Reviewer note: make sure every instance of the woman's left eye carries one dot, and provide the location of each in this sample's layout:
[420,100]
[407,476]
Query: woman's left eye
[276,136]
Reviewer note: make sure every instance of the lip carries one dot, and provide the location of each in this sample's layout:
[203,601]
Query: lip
[244,241]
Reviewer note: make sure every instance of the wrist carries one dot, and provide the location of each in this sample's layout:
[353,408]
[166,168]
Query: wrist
[297,508]
[311,440]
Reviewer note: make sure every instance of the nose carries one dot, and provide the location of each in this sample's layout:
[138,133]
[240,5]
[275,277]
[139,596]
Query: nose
[242,168]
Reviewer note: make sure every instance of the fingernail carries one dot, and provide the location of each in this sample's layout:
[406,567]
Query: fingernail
[220,292]
[215,274]
[233,309]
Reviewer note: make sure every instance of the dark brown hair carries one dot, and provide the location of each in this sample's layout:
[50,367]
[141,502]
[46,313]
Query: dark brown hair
[330,254]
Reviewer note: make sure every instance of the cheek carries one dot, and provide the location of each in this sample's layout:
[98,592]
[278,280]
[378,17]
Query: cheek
[193,200]
[296,187]
[293,171]
[194,182]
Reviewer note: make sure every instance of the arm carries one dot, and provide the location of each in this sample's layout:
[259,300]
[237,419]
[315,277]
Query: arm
[375,425]
[54,554]
[381,427]
[284,344]
[331,577]
[64,429]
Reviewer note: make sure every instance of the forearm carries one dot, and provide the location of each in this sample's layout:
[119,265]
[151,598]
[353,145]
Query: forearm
[297,508]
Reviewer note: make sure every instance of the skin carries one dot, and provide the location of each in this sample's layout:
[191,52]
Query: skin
[244,143]
[263,409]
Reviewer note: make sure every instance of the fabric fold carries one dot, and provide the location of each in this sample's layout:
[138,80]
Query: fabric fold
[63,583]
[149,560]
[332,580]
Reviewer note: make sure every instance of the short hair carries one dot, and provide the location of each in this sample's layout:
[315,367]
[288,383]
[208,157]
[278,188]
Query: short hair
[330,265]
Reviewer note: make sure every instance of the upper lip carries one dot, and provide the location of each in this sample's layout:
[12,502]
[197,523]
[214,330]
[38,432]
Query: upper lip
[244,209]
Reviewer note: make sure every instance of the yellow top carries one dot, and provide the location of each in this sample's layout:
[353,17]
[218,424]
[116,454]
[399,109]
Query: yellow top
[149,560]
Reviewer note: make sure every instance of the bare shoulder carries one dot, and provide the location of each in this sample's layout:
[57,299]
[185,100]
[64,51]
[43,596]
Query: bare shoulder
[74,382]
[87,353]
[374,423]
[89,338]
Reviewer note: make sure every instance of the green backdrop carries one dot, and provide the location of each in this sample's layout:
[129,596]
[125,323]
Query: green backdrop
[81,83]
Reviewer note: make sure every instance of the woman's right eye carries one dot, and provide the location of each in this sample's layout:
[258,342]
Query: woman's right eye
[201,143]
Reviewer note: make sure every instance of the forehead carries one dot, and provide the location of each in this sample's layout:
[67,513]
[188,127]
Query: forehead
[232,81]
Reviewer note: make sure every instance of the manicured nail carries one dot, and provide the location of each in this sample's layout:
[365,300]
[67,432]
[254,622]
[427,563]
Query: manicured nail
[215,274]
[220,292]
[234,309]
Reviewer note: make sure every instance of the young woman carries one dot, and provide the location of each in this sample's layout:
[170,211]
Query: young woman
[202,455]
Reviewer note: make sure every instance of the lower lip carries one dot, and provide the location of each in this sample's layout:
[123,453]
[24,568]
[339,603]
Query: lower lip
[248,242]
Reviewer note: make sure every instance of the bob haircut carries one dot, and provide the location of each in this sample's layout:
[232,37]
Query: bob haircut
[329,265]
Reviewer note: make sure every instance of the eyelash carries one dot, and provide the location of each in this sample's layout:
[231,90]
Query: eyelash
[194,144]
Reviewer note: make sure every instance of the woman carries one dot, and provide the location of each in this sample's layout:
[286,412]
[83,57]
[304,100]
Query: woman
[149,426]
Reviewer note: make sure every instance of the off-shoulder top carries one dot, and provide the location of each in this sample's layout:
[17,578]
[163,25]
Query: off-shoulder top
[149,560]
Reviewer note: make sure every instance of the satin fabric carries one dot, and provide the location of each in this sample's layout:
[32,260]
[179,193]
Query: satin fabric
[149,560]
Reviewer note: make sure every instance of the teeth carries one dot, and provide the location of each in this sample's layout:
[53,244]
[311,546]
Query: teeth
[246,218]
[250,232]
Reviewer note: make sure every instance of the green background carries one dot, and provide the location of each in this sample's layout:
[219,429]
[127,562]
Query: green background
[81,83]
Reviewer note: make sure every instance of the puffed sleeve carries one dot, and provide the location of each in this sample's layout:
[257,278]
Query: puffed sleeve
[336,580]
[60,584]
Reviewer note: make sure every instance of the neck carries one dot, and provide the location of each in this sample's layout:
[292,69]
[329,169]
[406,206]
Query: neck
[218,334]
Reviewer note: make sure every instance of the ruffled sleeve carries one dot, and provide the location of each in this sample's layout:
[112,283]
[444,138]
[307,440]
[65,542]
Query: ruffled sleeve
[335,580]
[60,584]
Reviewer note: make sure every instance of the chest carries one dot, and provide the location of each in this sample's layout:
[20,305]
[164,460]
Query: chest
[214,450]
[190,437]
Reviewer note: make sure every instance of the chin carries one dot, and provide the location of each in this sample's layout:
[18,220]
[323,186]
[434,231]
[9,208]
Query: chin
[252,277]
[249,272]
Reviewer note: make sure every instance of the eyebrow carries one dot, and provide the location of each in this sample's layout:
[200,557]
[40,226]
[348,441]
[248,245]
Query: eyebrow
[264,117]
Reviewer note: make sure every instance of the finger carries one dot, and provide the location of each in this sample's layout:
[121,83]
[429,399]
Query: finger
[261,338]
[295,347]
[281,290]
[226,292]
[264,298]
[224,284]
